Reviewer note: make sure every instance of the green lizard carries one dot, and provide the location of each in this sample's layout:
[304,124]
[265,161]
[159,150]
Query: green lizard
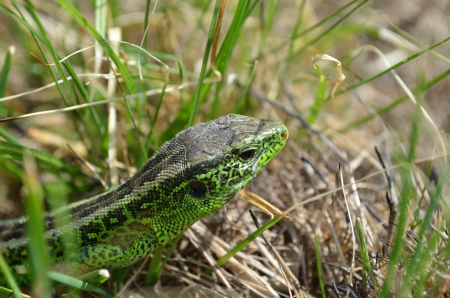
[189,177]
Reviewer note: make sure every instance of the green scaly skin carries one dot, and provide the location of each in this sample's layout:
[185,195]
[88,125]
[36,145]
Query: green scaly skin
[188,178]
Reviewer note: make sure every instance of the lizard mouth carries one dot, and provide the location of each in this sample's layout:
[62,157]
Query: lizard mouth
[278,141]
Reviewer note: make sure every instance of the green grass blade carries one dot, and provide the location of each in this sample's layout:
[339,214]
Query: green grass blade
[324,33]
[37,247]
[415,41]
[4,268]
[146,20]
[413,139]
[426,244]
[155,269]
[417,270]
[4,72]
[221,261]
[395,103]
[410,58]
[8,136]
[320,95]
[22,20]
[367,267]
[6,293]
[222,61]
[118,276]
[268,22]
[319,264]
[100,17]
[54,56]
[16,152]
[324,20]
[204,63]
[297,26]
[224,54]
[239,108]
[78,16]
[76,283]
[395,257]
[96,277]
[10,166]
[158,262]
[94,123]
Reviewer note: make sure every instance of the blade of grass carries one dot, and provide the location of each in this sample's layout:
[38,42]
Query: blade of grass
[8,136]
[221,261]
[76,283]
[216,33]
[155,267]
[154,118]
[55,58]
[4,268]
[146,21]
[406,198]
[413,40]
[367,267]
[4,72]
[224,55]
[324,33]
[426,244]
[6,293]
[394,260]
[142,82]
[414,136]
[410,58]
[37,247]
[16,152]
[395,103]
[22,20]
[94,126]
[324,20]
[223,58]
[320,94]
[100,26]
[422,196]
[266,25]
[425,253]
[96,277]
[418,269]
[239,108]
[206,53]
[78,16]
[297,26]
[319,264]
[295,36]
[12,167]
[158,263]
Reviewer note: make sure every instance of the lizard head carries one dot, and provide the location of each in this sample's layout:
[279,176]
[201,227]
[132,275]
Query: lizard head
[223,155]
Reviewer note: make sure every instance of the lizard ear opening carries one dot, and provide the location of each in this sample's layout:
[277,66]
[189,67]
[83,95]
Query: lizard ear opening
[198,189]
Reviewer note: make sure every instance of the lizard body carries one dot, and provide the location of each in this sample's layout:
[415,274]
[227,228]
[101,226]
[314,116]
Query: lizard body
[190,177]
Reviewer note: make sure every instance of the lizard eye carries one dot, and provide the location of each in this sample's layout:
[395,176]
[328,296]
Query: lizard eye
[247,154]
[198,189]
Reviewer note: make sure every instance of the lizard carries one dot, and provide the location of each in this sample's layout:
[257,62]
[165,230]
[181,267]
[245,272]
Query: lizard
[189,177]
